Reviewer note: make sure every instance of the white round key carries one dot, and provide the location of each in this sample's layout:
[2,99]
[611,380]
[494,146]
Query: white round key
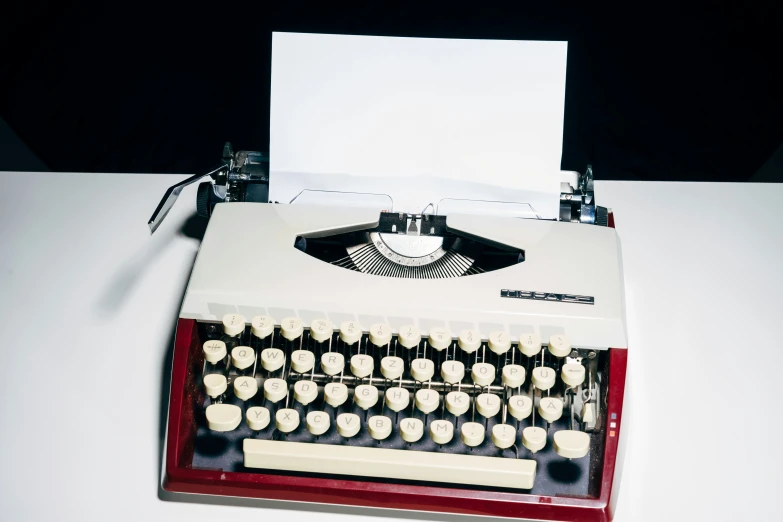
[321,330]
[530,344]
[409,336]
[397,399]
[245,387]
[534,438]
[223,417]
[472,434]
[411,430]
[332,363]
[427,400]
[550,408]
[243,357]
[317,422]
[573,374]
[291,328]
[257,418]
[520,406]
[513,375]
[348,424]
[362,365]
[302,361]
[483,374]
[441,431]
[543,377]
[422,369]
[215,384]
[287,420]
[452,371]
[350,332]
[365,396]
[262,326]
[503,435]
[487,404]
[571,444]
[469,340]
[559,345]
[392,367]
[499,342]
[214,351]
[457,402]
[305,391]
[275,389]
[233,324]
[380,427]
[335,394]
[272,359]
[439,338]
[380,334]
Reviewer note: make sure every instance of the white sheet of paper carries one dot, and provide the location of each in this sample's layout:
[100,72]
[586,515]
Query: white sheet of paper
[418,119]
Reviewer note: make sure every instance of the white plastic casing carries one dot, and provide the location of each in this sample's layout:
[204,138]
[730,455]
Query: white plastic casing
[247,264]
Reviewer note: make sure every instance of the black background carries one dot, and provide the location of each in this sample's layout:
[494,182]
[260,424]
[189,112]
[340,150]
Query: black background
[653,92]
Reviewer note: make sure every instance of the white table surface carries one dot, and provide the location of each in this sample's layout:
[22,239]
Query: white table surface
[88,302]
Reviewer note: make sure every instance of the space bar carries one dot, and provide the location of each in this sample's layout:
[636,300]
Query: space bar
[390,463]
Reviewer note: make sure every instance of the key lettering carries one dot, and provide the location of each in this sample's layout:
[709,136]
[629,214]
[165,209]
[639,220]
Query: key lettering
[348,419]
[259,413]
[458,398]
[244,384]
[397,395]
[379,423]
[305,387]
[332,359]
[275,385]
[439,426]
[392,363]
[287,416]
[317,419]
[272,354]
[411,426]
[243,353]
[302,356]
[483,369]
[365,392]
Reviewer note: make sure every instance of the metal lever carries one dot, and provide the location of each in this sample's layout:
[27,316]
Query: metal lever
[171,195]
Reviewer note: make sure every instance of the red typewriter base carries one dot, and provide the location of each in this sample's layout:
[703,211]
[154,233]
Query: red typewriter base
[181,477]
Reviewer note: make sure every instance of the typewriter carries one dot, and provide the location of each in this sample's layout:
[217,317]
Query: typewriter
[458,363]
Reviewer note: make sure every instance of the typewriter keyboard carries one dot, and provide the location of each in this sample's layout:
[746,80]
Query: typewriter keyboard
[464,408]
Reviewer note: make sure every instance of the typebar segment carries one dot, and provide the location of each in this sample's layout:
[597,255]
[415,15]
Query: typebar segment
[390,463]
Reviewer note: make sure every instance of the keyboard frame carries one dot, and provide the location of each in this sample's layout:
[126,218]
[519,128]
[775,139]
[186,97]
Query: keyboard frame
[180,477]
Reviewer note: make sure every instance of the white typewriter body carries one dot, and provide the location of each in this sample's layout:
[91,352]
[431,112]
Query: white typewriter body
[248,264]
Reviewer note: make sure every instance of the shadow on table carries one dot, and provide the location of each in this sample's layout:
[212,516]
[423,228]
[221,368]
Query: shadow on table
[128,274]
[302,507]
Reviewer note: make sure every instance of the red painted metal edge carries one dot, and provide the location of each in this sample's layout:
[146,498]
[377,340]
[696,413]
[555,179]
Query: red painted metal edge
[180,477]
